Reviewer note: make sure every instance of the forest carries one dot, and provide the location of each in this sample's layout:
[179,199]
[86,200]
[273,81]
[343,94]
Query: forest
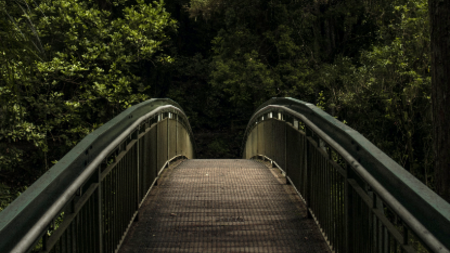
[68,66]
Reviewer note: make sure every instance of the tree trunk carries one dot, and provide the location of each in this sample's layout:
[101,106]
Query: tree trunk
[440,94]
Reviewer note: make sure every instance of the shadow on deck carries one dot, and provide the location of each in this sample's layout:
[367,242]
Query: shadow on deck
[223,206]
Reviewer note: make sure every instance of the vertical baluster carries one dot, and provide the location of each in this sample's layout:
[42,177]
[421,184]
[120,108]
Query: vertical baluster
[102,213]
[135,186]
[369,228]
[376,237]
[319,181]
[308,161]
[314,179]
[128,194]
[125,197]
[115,220]
[121,200]
[98,213]
[383,237]
[324,199]
[337,216]
[348,214]
[81,232]
[131,192]
[88,225]
[139,164]
[320,200]
[326,196]
[94,224]
[123,190]
[332,204]
[342,212]
[357,221]
[120,192]
[361,224]
[120,203]
[110,209]
[106,211]
[95,232]
[339,239]
[340,209]
[330,207]
[111,191]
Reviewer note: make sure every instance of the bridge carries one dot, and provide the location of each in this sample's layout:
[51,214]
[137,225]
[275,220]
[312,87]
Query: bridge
[306,183]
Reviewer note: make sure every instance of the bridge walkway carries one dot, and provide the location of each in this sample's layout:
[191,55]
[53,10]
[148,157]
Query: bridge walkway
[223,206]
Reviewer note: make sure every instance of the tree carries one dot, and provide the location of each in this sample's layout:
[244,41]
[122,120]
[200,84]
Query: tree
[440,73]
[66,67]
[386,96]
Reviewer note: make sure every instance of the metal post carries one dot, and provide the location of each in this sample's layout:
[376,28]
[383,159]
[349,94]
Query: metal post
[156,151]
[99,208]
[272,140]
[285,155]
[257,137]
[308,173]
[348,211]
[168,138]
[176,150]
[138,161]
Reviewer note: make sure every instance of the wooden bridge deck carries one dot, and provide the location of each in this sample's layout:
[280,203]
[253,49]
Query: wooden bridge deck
[223,206]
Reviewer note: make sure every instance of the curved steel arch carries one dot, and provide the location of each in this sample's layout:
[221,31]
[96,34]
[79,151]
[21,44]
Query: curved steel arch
[422,211]
[77,179]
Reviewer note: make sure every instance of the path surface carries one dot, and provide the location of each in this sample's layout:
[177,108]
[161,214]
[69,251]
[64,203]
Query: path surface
[223,206]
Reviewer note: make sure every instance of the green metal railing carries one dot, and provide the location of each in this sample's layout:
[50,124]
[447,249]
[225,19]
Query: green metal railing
[88,200]
[361,199]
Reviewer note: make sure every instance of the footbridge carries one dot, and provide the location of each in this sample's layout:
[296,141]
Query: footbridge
[306,183]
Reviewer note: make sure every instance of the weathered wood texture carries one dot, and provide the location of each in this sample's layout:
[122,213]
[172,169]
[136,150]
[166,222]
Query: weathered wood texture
[223,206]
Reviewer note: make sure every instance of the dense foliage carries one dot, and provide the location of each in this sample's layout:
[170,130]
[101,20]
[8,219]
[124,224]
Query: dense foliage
[365,62]
[69,66]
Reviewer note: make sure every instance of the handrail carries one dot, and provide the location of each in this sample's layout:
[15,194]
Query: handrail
[27,219]
[423,211]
